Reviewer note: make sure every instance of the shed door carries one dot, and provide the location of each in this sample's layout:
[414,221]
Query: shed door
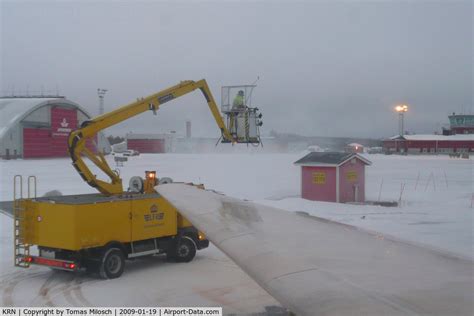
[37,143]
[356,192]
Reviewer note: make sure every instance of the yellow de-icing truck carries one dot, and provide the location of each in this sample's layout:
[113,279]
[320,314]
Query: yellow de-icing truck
[98,232]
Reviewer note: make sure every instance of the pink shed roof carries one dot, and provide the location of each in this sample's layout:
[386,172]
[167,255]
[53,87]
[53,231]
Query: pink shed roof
[329,159]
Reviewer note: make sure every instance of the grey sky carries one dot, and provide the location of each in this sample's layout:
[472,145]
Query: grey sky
[328,69]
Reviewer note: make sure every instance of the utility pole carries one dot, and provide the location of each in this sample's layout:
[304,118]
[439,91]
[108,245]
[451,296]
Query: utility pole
[101,94]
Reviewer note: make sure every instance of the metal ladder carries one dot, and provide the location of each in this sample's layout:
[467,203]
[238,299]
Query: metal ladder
[20,229]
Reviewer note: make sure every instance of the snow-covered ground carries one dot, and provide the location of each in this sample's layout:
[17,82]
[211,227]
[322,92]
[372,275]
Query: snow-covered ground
[436,209]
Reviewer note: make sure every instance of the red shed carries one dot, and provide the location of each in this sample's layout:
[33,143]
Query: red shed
[333,177]
[149,143]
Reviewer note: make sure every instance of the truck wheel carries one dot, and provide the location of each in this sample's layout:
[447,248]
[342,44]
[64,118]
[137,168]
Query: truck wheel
[185,250]
[112,264]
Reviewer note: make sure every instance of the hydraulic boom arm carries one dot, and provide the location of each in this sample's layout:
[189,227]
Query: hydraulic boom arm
[77,139]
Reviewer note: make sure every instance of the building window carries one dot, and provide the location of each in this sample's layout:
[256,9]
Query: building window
[351,176]
[319,177]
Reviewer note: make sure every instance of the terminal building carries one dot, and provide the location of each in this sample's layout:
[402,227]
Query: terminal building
[458,138]
[38,127]
[429,144]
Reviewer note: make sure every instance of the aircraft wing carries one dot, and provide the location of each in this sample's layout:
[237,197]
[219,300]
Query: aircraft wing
[314,266]
[6,207]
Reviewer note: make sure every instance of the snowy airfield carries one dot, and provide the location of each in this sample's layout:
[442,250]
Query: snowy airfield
[436,210]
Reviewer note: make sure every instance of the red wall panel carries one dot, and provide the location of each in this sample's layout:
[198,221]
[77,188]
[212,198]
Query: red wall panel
[63,121]
[351,175]
[147,145]
[36,143]
[51,142]
[323,190]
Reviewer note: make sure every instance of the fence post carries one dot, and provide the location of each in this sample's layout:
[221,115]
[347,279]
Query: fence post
[417,179]
[402,188]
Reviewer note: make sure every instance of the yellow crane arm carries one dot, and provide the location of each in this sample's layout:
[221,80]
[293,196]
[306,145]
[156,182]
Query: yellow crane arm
[77,139]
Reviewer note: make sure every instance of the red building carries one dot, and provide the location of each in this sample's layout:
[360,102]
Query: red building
[150,143]
[38,127]
[333,177]
[429,144]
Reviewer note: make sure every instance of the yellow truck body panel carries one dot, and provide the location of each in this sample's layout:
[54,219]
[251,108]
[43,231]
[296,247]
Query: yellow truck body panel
[77,222]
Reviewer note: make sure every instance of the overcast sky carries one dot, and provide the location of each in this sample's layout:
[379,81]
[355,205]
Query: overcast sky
[326,68]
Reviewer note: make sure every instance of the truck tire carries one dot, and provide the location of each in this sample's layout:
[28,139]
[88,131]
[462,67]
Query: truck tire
[112,264]
[184,251]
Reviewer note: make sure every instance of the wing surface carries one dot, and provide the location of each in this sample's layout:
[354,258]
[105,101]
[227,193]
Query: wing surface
[315,266]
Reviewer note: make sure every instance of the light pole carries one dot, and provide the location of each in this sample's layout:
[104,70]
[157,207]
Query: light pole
[101,94]
[401,109]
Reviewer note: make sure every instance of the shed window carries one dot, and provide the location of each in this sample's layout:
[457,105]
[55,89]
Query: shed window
[351,176]
[319,177]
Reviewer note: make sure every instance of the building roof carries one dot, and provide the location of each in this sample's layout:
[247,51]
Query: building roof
[13,110]
[329,159]
[429,137]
